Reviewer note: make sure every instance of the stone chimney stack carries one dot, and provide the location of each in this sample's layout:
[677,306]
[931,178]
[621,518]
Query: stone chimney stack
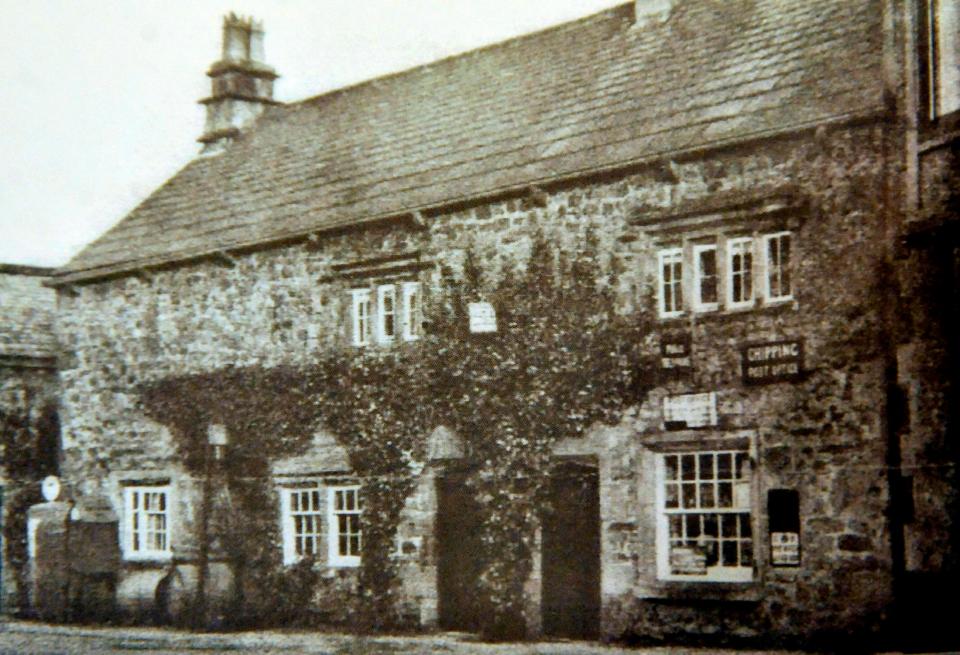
[241,83]
[652,12]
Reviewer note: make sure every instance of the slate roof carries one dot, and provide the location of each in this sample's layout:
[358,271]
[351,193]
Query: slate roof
[578,97]
[26,314]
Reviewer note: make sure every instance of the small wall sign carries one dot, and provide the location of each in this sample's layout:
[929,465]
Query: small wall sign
[773,361]
[675,352]
[688,561]
[690,410]
[785,549]
[483,318]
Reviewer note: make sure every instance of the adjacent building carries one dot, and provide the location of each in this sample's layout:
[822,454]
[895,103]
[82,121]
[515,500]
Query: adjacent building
[28,416]
[775,176]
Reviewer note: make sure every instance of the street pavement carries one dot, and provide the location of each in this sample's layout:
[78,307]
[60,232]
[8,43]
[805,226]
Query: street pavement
[21,637]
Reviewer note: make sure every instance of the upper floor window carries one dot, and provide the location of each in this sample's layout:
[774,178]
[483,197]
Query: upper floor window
[707,281]
[411,310]
[740,272]
[344,520]
[147,522]
[671,282]
[940,52]
[777,249]
[766,258]
[387,315]
[360,312]
[704,530]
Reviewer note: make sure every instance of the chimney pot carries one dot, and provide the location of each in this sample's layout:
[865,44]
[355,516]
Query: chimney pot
[242,83]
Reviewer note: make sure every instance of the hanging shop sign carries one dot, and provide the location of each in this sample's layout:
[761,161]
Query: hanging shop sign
[773,361]
[675,352]
[483,318]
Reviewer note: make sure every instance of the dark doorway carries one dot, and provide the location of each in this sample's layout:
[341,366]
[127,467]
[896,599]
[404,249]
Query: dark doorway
[571,554]
[458,554]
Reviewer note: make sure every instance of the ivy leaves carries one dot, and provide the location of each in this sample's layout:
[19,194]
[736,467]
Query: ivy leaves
[562,360]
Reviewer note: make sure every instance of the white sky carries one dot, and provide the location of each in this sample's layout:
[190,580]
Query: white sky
[99,97]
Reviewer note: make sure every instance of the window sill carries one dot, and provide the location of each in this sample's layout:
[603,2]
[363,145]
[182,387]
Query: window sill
[703,590]
[764,309]
[159,559]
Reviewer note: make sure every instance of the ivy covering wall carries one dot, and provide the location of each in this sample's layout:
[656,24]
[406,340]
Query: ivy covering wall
[564,358]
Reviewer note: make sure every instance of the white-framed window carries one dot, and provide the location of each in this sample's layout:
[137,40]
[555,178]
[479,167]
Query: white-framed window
[146,533]
[386,313]
[740,272]
[671,282]
[704,530]
[360,313]
[706,292]
[941,70]
[411,311]
[344,512]
[776,249]
[302,515]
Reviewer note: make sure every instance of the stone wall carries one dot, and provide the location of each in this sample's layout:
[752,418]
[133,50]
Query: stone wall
[821,435]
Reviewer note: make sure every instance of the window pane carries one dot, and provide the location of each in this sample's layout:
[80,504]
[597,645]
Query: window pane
[693,525]
[745,525]
[671,500]
[729,550]
[728,525]
[706,467]
[689,495]
[707,498]
[710,525]
[723,466]
[670,466]
[746,553]
[947,54]
[707,274]
[676,526]
[688,467]
[725,494]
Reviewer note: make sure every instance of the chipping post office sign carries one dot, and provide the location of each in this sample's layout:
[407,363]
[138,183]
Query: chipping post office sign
[483,318]
[772,361]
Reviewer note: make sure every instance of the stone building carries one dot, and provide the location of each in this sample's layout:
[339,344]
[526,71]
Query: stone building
[28,399]
[774,175]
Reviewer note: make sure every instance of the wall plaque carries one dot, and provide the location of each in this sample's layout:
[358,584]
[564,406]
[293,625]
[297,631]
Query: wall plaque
[773,361]
[690,410]
[483,318]
[675,352]
[785,549]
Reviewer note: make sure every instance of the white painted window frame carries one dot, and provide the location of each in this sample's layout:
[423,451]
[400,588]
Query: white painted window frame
[385,291]
[768,268]
[742,503]
[740,246]
[410,292]
[360,313]
[698,304]
[136,521]
[943,56]
[669,256]
[288,516]
[334,557]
